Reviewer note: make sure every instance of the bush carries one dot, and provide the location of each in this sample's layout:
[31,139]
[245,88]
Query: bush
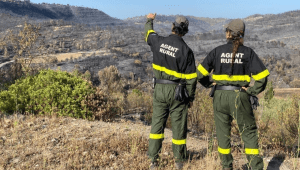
[103,107]
[295,83]
[269,92]
[291,120]
[110,79]
[201,114]
[279,121]
[57,92]
[140,99]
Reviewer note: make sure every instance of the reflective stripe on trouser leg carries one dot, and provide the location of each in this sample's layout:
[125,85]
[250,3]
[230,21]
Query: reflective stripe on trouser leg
[223,121]
[159,119]
[254,159]
[179,142]
[250,151]
[178,112]
[224,151]
[225,157]
[157,136]
[179,149]
[155,144]
[248,129]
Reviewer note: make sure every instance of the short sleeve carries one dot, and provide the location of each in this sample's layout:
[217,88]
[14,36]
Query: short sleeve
[257,68]
[191,66]
[208,63]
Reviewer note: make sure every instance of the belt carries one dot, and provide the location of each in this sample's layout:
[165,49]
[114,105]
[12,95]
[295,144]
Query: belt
[162,81]
[230,88]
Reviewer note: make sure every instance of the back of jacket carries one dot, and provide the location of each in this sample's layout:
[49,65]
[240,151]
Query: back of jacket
[172,59]
[246,65]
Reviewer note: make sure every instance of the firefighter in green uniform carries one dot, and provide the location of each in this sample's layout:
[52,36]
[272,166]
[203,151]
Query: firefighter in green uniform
[233,65]
[175,70]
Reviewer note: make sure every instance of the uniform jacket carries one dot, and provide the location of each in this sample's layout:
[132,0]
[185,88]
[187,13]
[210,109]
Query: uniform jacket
[172,58]
[246,65]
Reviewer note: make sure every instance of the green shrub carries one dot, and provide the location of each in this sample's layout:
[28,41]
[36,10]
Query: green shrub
[279,121]
[269,92]
[201,114]
[55,92]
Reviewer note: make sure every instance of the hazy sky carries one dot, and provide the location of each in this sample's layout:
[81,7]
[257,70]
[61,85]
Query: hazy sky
[123,9]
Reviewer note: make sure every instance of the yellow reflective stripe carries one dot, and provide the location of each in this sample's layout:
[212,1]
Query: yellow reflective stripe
[231,78]
[249,151]
[179,142]
[203,70]
[261,75]
[157,136]
[174,73]
[224,151]
[149,31]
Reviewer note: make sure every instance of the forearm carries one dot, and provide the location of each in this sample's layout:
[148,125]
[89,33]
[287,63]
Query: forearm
[258,87]
[191,87]
[148,26]
[203,77]
[204,81]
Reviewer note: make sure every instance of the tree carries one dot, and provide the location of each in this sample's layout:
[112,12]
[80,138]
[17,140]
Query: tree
[25,45]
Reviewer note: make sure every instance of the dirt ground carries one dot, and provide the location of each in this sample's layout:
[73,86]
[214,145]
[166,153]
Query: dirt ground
[30,142]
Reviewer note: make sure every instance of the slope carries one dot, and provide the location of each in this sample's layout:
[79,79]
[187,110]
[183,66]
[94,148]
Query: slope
[56,11]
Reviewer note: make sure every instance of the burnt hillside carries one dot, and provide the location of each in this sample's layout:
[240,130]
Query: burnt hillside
[45,11]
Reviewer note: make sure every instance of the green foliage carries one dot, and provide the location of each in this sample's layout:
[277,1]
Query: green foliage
[279,121]
[201,115]
[48,92]
[269,92]
[137,92]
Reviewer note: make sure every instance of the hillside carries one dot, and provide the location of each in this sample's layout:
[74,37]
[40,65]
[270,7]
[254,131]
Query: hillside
[272,27]
[44,11]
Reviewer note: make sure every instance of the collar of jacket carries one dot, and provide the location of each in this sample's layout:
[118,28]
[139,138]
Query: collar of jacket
[229,41]
[175,35]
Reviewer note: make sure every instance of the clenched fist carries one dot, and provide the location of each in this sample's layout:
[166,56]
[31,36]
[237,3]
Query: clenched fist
[151,15]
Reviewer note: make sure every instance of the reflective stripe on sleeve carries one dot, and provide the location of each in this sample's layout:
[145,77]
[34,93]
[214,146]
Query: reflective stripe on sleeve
[174,73]
[249,151]
[224,151]
[179,142]
[203,70]
[157,136]
[231,78]
[261,75]
[149,31]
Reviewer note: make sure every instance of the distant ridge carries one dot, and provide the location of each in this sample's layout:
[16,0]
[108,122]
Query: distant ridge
[283,27]
[197,24]
[46,11]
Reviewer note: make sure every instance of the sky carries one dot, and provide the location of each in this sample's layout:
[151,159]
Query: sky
[230,9]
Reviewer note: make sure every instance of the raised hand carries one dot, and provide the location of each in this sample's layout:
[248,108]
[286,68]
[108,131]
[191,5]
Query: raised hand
[151,15]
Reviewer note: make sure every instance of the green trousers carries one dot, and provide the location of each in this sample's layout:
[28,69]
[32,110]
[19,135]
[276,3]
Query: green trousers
[229,105]
[163,105]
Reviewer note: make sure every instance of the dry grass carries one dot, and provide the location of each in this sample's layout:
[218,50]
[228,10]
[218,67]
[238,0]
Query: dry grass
[137,62]
[30,142]
[65,143]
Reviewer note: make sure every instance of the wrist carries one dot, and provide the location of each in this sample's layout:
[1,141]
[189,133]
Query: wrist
[249,90]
